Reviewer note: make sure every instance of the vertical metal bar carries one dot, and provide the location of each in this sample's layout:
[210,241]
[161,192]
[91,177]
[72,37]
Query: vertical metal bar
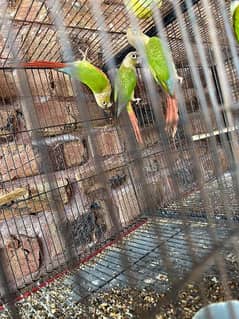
[217,84]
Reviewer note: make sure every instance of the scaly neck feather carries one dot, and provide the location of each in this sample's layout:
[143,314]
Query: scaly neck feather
[127,63]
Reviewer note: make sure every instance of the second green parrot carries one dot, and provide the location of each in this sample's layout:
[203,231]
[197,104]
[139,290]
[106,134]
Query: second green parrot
[142,8]
[84,71]
[163,71]
[125,83]
[235,17]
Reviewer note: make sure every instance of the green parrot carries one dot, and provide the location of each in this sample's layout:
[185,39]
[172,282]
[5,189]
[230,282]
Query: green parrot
[235,17]
[142,8]
[125,83]
[163,73]
[82,70]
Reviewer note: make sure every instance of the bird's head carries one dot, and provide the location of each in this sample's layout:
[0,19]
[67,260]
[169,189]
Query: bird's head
[135,36]
[131,36]
[103,100]
[131,59]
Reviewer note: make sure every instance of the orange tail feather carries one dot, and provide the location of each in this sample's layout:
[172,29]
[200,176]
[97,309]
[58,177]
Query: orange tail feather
[134,122]
[171,115]
[168,115]
[43,64]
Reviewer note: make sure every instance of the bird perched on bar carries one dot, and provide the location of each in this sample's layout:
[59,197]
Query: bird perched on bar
[235,17]
[84,71]
[125,83]
[142,8]
[163,71]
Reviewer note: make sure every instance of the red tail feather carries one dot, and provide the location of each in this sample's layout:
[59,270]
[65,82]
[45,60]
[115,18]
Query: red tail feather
[43,64]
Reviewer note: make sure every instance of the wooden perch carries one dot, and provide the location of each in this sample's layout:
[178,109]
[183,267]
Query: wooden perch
[11,197]
[33,198]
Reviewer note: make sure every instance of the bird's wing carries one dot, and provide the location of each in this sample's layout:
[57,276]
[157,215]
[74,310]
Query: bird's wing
[125,85]
[83,70]
[91,76]
[157,61]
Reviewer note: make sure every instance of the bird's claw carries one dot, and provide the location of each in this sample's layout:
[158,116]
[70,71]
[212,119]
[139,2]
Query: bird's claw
[180,79]
[137,100]
[84,53]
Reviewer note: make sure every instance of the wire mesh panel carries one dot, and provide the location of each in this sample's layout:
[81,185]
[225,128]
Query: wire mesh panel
[118,215]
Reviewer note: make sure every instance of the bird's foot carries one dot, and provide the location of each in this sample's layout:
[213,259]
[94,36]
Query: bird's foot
[180,79]
[109,116]
[84,53]
[107,113]
[137,100]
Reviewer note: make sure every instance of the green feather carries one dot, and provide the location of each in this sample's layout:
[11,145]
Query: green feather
[158,61]
[236,22]
[90,75]
[124,86]
[142,8]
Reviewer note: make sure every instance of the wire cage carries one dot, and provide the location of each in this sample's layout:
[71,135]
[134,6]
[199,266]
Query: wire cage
[93,224]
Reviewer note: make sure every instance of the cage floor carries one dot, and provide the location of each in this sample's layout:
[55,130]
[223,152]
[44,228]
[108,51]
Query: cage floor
[221,201]
[136,261]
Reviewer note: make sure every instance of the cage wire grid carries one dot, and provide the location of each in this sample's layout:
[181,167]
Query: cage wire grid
[126,231]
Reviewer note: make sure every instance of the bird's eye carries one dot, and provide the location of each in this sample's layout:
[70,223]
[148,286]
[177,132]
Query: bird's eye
[104,103]
[134,56]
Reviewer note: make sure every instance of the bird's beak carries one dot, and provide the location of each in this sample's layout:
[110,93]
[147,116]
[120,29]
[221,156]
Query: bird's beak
[107,112]
[139,61]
